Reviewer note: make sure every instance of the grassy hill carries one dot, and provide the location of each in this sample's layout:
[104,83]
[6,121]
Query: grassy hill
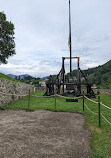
[5,77]
[26,80]
[101,75]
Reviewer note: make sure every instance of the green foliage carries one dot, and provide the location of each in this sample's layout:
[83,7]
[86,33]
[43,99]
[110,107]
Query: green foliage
[101,75]
[31,80]
[7,44]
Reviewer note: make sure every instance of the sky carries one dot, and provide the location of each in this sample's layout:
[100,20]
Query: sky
[42,30]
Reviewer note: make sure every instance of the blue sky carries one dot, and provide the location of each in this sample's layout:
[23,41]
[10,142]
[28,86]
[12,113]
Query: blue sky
[41,34]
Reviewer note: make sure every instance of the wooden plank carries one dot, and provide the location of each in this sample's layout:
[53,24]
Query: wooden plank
[71,100]
[69,87]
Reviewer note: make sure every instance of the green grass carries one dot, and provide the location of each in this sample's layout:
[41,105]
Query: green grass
[5,77]
[100,137]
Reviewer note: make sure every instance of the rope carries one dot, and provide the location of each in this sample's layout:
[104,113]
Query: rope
[97,114]
[97,103]
[91,100]
[91,110]
[106,106]
[43,96]
[105,119]
[68,97]
[14,94]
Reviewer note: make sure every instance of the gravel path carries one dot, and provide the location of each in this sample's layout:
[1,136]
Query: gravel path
[43,134]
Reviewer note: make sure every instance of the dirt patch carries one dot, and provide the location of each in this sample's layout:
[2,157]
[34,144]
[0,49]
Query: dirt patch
[43,134]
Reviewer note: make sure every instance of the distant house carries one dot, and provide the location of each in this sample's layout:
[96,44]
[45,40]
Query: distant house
[42,83]
[94,87]
[46,79]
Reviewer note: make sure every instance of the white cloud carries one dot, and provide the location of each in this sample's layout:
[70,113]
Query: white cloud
[41,34]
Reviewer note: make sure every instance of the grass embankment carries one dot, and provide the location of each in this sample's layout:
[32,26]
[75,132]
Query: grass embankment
[100,137]
[5,77]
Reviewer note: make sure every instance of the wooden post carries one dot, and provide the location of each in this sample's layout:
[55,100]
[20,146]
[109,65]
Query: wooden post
[63,72]
[99,111]
[29,101]
[83,101]
[55,99]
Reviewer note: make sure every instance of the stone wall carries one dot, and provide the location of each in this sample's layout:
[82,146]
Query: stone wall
[9,87]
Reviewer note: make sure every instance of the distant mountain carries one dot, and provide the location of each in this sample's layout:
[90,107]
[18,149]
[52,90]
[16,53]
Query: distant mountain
[10,75]
[43,78]
[21,76]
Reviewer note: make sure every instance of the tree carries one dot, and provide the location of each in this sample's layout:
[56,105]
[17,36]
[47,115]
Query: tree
[7,44]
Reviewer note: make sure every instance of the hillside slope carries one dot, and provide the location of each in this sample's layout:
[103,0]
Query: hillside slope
[28,80]
[5,77]
[101,75]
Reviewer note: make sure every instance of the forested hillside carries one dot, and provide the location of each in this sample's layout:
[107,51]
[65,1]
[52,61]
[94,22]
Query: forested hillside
[101,75]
